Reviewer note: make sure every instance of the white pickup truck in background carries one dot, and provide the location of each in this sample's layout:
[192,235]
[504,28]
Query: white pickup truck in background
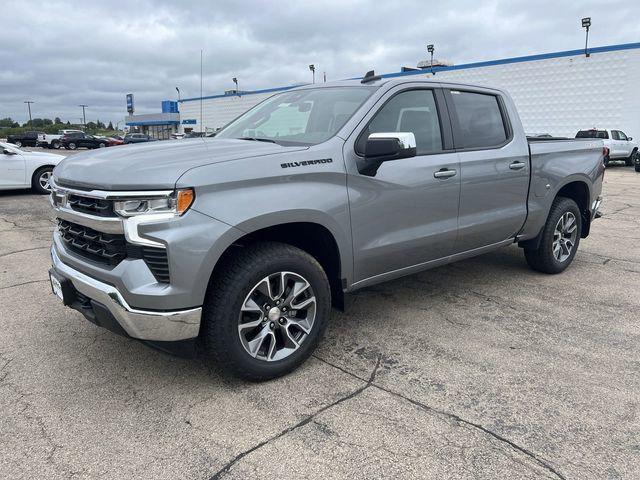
[53,141]
[620,146]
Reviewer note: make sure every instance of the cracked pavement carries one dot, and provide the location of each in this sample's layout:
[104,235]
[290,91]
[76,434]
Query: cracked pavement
[480,369]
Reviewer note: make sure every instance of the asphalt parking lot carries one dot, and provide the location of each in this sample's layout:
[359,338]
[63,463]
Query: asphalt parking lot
[480,369]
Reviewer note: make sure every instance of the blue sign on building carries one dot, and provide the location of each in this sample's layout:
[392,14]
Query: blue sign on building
[189,121]
[130,108]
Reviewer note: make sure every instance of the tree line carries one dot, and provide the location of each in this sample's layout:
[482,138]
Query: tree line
[10,127]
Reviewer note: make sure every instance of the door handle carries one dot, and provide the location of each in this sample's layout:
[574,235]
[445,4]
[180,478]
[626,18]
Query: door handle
[517,165]
[444,173]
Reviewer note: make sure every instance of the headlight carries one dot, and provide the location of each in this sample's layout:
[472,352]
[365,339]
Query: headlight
[178,203]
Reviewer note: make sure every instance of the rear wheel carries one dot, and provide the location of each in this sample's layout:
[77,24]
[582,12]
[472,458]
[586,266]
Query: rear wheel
[606,161]
[102,145]
[265,311]
[560,238]
[40,180]
[18,143]
[72,146]
[55,145]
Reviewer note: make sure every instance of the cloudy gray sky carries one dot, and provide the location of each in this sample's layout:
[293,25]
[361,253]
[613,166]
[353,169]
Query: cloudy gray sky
[64,53]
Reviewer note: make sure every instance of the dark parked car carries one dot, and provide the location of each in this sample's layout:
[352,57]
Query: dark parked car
[71,141]
[26,139]
[138,138]
[195,135]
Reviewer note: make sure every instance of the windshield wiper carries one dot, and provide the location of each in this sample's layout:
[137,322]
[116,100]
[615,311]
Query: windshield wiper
[256,139]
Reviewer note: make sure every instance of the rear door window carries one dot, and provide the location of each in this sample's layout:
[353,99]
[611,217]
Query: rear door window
[481,123]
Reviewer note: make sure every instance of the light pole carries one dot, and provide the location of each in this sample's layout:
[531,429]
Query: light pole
[430,49]
[29,102]
[178,90]
[84,117]
[586,23]
[235,80]
[312,67]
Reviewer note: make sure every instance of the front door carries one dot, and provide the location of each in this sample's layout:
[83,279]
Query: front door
[12,170]
[402,215]
[494,164]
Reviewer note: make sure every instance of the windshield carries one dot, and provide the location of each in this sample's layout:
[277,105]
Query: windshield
[301,117]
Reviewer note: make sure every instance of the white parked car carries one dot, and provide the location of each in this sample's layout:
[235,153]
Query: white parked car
[22,169]
[620,146]
[53,141]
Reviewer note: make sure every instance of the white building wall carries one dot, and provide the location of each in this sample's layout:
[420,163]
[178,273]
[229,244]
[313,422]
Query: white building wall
[558,95]
[219,111]
[563,95]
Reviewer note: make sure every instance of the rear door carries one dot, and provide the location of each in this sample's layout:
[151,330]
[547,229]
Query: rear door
[494,165]
[402,215]
[626,147]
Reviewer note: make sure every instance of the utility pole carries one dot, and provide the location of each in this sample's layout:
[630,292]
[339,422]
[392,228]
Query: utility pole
[29,102]
[84,117]
[178,90]
[201,105]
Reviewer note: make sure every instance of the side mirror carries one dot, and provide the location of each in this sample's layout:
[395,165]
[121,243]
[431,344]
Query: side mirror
[384,147]
[629,138]
[6,151]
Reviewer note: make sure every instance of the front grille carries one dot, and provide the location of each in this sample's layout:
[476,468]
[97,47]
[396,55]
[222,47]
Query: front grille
[91,206]
[107,248]
[110,249]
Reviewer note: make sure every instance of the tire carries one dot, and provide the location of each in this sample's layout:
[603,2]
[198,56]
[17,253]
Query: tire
[38,180]
[18,143]
[606,161]
[637,167]
[629,160]
[55,145]
[545,258]
[238,287]
[72,146]
[102,145]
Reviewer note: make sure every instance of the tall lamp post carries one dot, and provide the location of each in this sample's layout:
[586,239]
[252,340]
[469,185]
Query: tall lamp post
[431,49]
[178,90]
[84,117]
[235,80]
[312,67]
[29,102]
[586,23]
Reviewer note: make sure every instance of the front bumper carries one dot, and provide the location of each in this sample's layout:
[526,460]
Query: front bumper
[107,303]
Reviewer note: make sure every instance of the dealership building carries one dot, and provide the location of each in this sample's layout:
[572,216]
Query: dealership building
[556,93]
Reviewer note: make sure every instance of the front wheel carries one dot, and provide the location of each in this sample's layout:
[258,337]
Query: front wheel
[560,238]
[72,146]
[18,143]
[629,160]
[266,309]
[102,145]
[40,180]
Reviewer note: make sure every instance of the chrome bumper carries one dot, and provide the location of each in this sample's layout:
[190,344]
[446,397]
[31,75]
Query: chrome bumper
[140,324]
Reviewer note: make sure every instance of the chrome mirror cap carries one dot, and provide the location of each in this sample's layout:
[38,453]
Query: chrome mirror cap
[405,139]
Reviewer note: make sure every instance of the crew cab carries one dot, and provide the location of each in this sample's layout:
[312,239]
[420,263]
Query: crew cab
[54,141]
[619,145]
[241,243]
[22,169]
[72,141]
[26,139]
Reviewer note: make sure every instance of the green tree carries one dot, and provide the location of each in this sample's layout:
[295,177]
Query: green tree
[110,126]
[57,121]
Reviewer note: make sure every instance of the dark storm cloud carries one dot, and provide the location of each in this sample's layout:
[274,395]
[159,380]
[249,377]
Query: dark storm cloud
[61,54]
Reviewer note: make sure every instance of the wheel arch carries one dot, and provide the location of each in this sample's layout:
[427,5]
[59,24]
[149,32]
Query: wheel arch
[315,238]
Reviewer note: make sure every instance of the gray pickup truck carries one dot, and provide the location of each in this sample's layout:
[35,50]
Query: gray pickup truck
[239,245]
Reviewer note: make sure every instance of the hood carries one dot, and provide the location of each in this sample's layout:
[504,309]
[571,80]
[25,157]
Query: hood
[154,165]
[54,157]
